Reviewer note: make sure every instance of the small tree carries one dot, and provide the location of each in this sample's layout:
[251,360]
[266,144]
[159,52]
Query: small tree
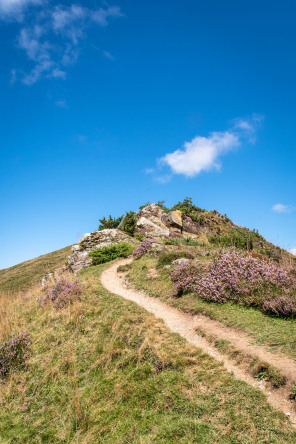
[129,223]
[109,223]
[187,207]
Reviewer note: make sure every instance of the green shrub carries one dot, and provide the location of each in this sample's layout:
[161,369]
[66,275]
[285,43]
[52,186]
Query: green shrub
[129,223]
[109,223]
[242,239]
[199,219]
[107,254]
[172,241]
[187,207]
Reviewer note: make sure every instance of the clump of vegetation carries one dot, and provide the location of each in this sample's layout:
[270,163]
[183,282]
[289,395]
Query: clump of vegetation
[112,222]
[238,238]
[14,353]
[241,278]
[186,207]
[124,268]
[107,254]
[129,223]
[293,392]
[143,248]
[263,370]
[183,241]
[168,257]
[63,293]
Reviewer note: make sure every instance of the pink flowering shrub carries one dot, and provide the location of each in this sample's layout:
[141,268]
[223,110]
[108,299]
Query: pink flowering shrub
[14,353]
[243,279]
[62,293]
[144,246]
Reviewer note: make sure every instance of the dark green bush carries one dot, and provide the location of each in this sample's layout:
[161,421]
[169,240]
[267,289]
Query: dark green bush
[187,207]
[109,223]
[129,223]
[107,254]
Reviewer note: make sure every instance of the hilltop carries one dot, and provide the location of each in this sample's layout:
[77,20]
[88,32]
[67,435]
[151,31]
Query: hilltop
[98,368]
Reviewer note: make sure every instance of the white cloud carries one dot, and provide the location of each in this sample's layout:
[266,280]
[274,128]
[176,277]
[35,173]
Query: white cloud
[204,153]
[282,208]
[293,251]
[201,154]
[51,43]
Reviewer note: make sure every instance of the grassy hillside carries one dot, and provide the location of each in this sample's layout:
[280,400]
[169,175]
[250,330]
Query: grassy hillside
[104,370]
[29,273]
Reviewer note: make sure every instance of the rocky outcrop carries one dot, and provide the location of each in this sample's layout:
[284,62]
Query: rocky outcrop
[173,220]
[151,210]
[154,221]
[80,259]
[189,226]
[152,227]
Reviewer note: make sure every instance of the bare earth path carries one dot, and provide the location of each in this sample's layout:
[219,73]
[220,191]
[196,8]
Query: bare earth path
[185,325]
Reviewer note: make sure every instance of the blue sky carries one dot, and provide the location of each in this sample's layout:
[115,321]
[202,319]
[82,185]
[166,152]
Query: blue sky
[105,106]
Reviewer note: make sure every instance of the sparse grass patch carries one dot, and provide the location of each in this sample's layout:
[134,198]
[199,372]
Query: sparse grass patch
[187,241]
[124,268]
[263,370]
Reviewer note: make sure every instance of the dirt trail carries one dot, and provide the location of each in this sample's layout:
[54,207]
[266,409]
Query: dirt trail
[186,325]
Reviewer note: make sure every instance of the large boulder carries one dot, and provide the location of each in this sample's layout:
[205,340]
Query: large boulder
[174,221]
[189,226]
[152,227]
[80,259]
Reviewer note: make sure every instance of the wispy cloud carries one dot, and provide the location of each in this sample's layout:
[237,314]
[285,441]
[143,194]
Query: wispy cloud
[283,208]
[51,41]
[61,104]
[204,153]
[293,251]
[14,9]
[108,55]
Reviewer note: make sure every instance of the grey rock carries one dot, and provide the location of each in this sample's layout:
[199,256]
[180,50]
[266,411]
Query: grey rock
[79,259]
[181,261]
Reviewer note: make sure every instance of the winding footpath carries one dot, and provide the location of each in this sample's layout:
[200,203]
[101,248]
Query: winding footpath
[186,325]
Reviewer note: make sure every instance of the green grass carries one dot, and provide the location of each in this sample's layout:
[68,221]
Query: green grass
[106,371]
[29,273]
[276,333]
